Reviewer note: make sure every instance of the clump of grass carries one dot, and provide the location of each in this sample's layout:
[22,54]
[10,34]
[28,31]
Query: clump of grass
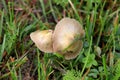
[116,70]
[72,75]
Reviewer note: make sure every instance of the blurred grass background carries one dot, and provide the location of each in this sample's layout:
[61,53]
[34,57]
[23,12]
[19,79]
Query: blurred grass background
[21,60]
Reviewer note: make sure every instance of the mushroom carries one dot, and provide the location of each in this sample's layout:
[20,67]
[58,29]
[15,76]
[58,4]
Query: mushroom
[43,40]
[67,38]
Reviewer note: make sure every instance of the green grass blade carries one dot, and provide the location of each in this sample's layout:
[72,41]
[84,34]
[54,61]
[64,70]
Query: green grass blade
[88,54]
[2,48]
[105,66]
[43,9]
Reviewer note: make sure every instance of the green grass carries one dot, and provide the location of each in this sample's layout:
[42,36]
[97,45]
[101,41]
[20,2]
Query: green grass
[20,59]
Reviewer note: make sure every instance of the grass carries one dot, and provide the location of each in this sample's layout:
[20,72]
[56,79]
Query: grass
[20,59]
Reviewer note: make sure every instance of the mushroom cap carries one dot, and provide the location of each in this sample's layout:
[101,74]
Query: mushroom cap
[73,54]
[43,40]
[67,35]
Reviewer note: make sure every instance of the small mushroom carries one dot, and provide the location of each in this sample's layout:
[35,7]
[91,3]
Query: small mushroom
[43,40]
[67,38]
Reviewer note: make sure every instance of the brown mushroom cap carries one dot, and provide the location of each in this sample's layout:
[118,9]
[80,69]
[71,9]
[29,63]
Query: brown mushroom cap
[64,37]
[43,40]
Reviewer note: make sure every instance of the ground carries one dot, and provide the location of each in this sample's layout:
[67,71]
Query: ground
[99,58]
